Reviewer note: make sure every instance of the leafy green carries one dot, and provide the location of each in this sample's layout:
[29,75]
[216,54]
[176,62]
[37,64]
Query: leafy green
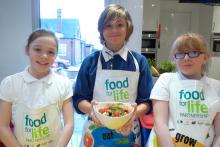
[93,127]
[115,108]
[153,69]
[123,141]
[151,62]
[166,66]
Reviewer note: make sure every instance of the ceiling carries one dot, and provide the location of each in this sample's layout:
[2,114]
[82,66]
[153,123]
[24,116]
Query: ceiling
[207,2]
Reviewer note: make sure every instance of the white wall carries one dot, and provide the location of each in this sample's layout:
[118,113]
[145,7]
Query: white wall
[151,15]
[214,70]
[205,25]
[135,8]
[216,20]
[200,21]
[15,26]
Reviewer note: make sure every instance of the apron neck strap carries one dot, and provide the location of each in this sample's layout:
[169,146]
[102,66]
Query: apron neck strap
[99,66]
[135,61]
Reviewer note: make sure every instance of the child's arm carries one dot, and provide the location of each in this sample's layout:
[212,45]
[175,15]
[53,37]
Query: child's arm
[87,107]
[216,141]
[6,135]
[142,109]
[68,123]
[161,116]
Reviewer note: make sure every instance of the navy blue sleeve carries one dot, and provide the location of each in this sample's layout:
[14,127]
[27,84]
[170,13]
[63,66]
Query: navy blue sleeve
[87,74]
[145,82]
[85,80]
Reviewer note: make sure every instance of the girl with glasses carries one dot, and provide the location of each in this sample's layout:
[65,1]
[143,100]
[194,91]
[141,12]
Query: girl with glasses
[186,104]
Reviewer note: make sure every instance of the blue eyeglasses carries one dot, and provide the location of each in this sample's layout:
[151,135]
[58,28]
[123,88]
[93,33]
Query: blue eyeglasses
[191,54]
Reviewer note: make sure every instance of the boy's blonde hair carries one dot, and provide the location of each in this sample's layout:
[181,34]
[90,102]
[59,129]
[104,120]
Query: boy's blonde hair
[111,13]
[190,42]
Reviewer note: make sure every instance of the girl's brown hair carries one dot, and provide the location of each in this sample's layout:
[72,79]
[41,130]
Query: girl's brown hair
[41,33]
[113,12]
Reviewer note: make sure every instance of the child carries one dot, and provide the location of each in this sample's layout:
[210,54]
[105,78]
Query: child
[186,104]
[114,64]
[34,99]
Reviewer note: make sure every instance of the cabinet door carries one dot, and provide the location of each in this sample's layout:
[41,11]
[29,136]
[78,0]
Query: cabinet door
[151,15]
[213,71]
[216,20]
[172,25]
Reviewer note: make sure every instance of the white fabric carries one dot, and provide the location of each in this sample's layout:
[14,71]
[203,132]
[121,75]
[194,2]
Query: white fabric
[193,105]
[22,88]
[103,92]
[115,85]
[108,54]
[39,127]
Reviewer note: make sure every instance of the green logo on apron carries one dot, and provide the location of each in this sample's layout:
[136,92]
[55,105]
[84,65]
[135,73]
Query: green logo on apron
[34,126]
[193,101]
[117,89]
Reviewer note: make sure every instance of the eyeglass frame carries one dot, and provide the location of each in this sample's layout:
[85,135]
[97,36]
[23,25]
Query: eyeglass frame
[190,54]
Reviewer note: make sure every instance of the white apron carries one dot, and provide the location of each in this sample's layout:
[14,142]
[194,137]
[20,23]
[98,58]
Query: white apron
[118,86]
[37,127]
[192,108]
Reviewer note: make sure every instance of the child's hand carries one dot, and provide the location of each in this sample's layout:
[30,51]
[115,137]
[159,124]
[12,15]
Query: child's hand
[126,129]
[92,115]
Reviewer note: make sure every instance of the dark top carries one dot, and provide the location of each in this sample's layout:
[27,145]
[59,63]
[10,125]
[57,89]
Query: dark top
[86,77]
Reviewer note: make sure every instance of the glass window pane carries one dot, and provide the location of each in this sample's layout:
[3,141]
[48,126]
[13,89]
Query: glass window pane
[75,24]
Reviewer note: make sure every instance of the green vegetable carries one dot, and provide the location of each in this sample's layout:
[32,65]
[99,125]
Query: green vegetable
[151,62]
[153,70]
[166,66]
[114,110]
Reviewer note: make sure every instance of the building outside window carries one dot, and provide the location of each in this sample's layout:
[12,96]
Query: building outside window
[62,49]
[75,23]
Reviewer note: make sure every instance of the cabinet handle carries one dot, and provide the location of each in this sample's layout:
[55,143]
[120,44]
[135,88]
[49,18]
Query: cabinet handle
[213,27]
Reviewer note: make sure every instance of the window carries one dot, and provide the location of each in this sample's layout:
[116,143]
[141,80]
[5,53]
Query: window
[62,49]
[75,23]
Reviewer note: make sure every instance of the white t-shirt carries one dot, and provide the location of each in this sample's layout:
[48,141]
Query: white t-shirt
[35,93]
[193,104]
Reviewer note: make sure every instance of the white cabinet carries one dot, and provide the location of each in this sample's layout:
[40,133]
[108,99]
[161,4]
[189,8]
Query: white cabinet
[216,19]
[151,15]
[213,70]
